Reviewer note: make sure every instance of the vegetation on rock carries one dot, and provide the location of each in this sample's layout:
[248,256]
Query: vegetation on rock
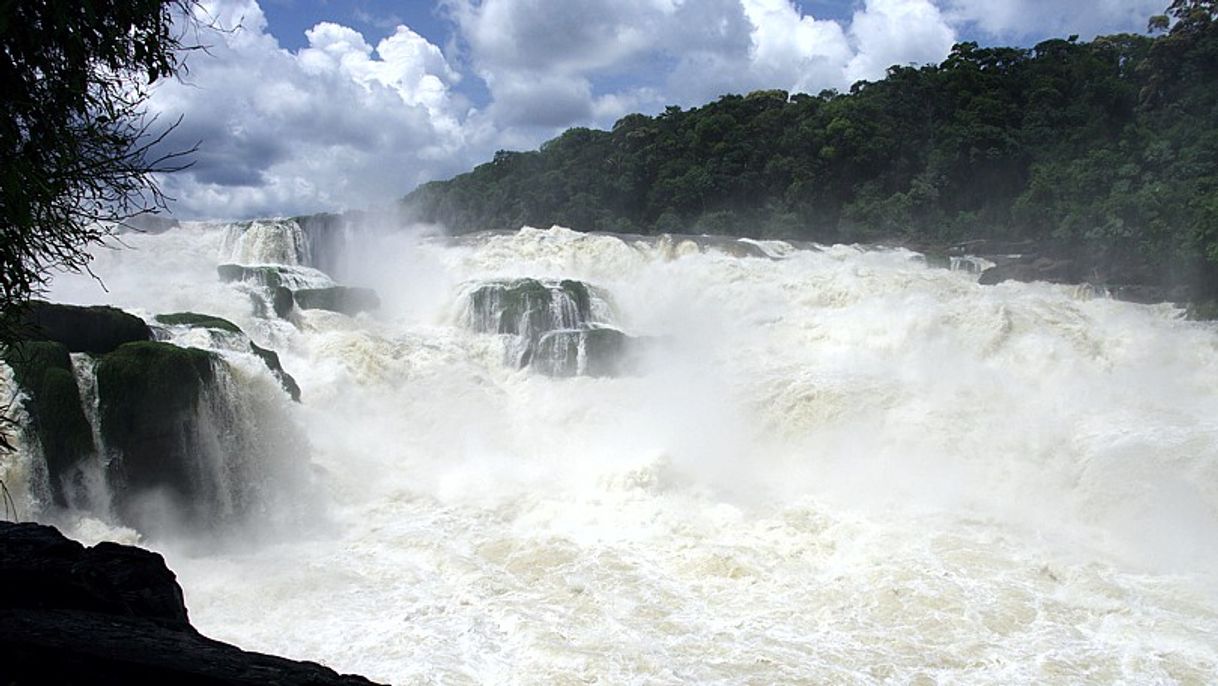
[195,319]
[149,393]
[1110,144]
[97,329]
[77,150]
[43,370]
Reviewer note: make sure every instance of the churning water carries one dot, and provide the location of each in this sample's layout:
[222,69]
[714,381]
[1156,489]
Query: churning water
[831,465]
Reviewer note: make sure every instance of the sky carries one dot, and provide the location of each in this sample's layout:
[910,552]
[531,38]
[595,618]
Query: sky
[301,106]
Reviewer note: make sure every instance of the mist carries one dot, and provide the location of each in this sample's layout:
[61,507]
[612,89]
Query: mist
[832,459]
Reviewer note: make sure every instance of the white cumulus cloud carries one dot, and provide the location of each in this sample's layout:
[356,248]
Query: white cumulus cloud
[337,124]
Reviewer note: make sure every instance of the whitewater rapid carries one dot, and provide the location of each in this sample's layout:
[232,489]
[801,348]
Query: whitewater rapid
[835,465]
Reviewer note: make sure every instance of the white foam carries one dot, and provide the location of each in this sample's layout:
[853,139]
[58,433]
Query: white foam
[838,466]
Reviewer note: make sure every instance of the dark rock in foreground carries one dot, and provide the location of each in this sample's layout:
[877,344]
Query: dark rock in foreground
[114,614]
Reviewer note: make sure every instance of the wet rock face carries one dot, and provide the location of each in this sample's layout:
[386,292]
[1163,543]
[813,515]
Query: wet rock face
[529,308]
[600,351]
[194,319]
[113,614]
[271,359]
[553,325]
[149,396]
[1038,269]
[83,329]
[43,370]
[346,300]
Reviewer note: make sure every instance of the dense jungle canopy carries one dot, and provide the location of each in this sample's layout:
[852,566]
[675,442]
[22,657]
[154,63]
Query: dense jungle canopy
[1112,141]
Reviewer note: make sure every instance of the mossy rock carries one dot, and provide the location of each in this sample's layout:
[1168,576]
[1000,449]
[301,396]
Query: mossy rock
[271,359]
[193,319]
[525,307]
[262,275]
[604,353]
[149,394]
[207,321]
[607,351]
[97,330]
[43,369]
[343,299]
[282,301]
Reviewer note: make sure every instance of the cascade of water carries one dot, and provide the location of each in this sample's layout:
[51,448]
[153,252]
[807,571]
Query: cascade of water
[969,264]
[87,490]
[23,470]
[270,241]
[832,452]
[548,320]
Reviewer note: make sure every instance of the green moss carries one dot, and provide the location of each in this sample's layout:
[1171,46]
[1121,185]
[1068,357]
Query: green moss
[266,276]
[43,369]
[194,319]
[148,396]
[522,307]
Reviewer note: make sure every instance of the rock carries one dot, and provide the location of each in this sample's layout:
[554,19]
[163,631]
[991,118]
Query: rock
[113,614]
[194,319]
[41,569]
[600,351]
[43,369]
[529,308]
[342,299]
[553,325]
[83,329]
[262,275]
[1037,269]
[149,393]
[282,301]
[271,359]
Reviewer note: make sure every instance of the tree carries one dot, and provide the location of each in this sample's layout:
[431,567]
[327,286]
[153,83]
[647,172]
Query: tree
[77,149]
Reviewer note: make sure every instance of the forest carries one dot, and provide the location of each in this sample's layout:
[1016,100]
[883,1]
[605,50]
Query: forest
[1111,142]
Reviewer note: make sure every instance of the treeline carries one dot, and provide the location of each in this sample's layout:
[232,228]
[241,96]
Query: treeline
[1113,141]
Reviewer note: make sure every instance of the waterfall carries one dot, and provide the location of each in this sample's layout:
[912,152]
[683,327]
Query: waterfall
[827,453]
[249,454]
[266,241]
[548,322]
[86,489]
[23,471]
